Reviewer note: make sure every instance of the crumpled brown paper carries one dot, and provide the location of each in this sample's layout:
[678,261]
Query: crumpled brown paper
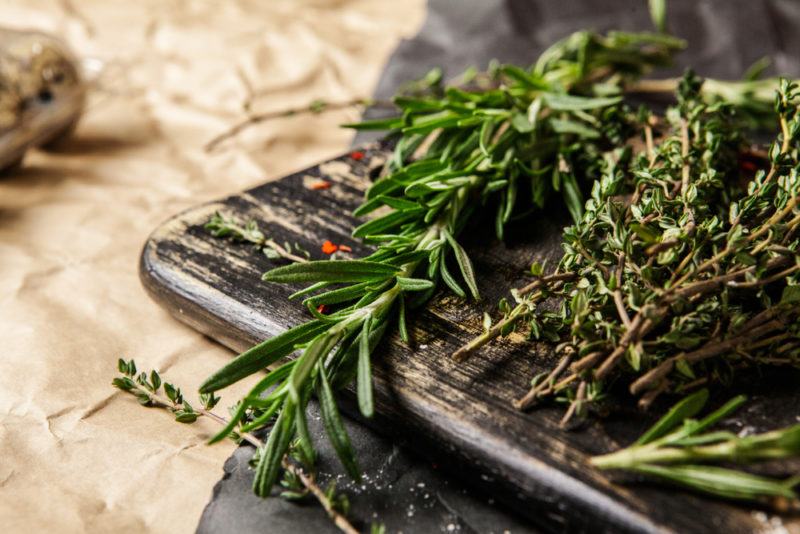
[75,455]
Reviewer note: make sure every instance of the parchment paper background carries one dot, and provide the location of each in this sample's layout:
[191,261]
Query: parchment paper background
[75,456]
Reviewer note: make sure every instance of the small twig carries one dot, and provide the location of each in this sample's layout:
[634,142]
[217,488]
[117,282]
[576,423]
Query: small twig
[575,405]
[531,397]
[587,362]
[648,137]
[283,252]
[547,383]
[544,280]
[685,175]
[666,85]
[764,281]
[521,310]
[315,107]
[704,286]
[593,261]
[652,250]
[623,313]
[712,348]
[765,227]
[475,344]
[648,398]
[639,328]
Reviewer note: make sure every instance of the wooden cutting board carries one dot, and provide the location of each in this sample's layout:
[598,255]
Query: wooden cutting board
[459,415]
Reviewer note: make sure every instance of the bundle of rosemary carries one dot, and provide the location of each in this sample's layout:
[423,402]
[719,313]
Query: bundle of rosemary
[458,150]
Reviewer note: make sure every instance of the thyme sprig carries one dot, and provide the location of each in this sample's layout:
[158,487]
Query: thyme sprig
[299,478]
[677,448]
[221,225]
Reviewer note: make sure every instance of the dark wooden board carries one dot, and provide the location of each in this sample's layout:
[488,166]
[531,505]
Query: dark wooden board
[459,414]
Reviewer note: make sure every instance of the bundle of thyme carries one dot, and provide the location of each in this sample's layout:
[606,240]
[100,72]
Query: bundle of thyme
[679,273]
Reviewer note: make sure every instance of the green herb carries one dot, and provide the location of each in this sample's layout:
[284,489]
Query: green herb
[299,478]
[221,226]
[677,276]
[480,146]
[676,450]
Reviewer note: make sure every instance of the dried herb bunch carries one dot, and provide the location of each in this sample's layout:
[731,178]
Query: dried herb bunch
[677,275]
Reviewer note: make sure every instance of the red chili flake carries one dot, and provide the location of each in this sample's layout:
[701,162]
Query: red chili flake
[748,165]
[345,248]
[329,248]
[319,184]
[357,155]
[322,308]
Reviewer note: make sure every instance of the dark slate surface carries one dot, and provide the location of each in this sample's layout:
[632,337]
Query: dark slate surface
[399,489]
[403,490]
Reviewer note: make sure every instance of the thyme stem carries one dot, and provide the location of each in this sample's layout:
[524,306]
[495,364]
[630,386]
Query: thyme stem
[518,312]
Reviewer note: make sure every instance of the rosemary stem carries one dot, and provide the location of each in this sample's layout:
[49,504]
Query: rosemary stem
[655,453]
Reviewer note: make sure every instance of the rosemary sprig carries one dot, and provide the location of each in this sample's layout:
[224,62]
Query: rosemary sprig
[299,479]
[676,450]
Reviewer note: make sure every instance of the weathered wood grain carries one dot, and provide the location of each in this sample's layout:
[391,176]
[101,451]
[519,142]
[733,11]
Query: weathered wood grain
[459,414]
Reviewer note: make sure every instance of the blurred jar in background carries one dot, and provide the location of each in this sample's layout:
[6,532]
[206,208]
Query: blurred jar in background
[42,93]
